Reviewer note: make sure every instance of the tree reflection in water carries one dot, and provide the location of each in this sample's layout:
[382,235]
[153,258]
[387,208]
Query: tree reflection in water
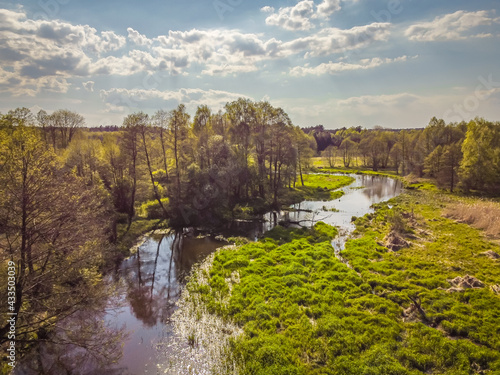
[80,344]
[155,275]
[121,336]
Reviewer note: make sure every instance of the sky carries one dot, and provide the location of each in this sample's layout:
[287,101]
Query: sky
[389,63]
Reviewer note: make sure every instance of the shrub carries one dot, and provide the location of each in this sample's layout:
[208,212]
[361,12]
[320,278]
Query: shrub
[152,209]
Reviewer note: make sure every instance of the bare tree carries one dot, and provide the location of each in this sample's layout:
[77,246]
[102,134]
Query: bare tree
[51,226]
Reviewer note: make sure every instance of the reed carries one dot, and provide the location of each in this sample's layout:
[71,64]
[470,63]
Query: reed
[480,214]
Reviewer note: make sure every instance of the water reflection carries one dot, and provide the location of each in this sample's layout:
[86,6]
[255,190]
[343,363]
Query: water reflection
[122,337]
[356,201]
[147,285]
[81,344]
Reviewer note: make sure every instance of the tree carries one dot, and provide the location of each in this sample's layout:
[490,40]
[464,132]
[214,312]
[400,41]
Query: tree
[280,150]
[330,154]
[305,151]
[202,130]
[450,163]
[160,121]
[373,146]
[20,116]
[67,122]
[347,149]
[242,115]
[396,156]
[130,147]
[42,119]
[141,121]
[53,227]
[433,162]
[178,131]
[265,117]
[478,169]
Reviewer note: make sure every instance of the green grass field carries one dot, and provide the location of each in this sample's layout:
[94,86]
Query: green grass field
[304,312]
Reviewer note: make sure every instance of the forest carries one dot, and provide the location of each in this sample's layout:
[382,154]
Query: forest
[74,198]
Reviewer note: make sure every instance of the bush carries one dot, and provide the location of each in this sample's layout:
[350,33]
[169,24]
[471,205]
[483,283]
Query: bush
[152,209]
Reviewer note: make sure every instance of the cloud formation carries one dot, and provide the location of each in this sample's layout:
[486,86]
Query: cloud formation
[299,16]
[378,101]
[43,55]
[338,67]
[121,100]
[453,26]
[89,86]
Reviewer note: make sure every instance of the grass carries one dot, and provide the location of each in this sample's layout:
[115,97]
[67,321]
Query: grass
[321,187]
[321,164]
[326,181]
[359,170]
[302,311]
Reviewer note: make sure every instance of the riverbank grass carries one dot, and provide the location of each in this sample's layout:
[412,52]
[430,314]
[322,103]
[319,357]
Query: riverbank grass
[322,187]
[429,307]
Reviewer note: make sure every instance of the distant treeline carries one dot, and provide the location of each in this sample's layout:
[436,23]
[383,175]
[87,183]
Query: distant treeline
[105,128]
[456,154]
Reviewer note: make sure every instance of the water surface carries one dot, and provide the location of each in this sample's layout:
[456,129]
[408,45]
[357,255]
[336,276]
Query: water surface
[131,332]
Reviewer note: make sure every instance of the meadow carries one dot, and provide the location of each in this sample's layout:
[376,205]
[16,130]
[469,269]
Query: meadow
[431,307]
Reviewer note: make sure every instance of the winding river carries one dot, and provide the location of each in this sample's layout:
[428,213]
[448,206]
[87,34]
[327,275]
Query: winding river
[131,331]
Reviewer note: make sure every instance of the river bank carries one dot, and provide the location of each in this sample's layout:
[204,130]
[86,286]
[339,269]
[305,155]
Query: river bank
[212,296]
[428,305]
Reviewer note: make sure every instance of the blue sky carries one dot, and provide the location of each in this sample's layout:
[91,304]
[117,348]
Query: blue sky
[393,63]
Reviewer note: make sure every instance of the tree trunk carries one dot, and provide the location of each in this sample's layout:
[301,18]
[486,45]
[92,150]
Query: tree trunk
[148,162]
[164,154]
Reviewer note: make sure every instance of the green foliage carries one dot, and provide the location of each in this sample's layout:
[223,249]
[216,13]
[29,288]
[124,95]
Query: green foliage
[480,167]
[322,187]
[325,230]
[152,209]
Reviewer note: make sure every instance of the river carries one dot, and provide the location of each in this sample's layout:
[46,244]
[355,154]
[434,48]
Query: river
[131,332]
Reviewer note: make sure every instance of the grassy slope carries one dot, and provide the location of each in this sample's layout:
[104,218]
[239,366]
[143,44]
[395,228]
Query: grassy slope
[304,312]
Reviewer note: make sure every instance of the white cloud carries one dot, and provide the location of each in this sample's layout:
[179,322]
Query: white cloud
[378,101]
[333,40]
[89,86]
[111,42]
[327,8]
[267,9]
[137,38]
[39,55]
[299,16]
[454,26]
[225,69]
[42,55]
[338,67]
[122,100]
[293,18]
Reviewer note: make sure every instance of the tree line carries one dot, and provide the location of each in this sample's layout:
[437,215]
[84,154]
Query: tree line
[65,189]
[462,154]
